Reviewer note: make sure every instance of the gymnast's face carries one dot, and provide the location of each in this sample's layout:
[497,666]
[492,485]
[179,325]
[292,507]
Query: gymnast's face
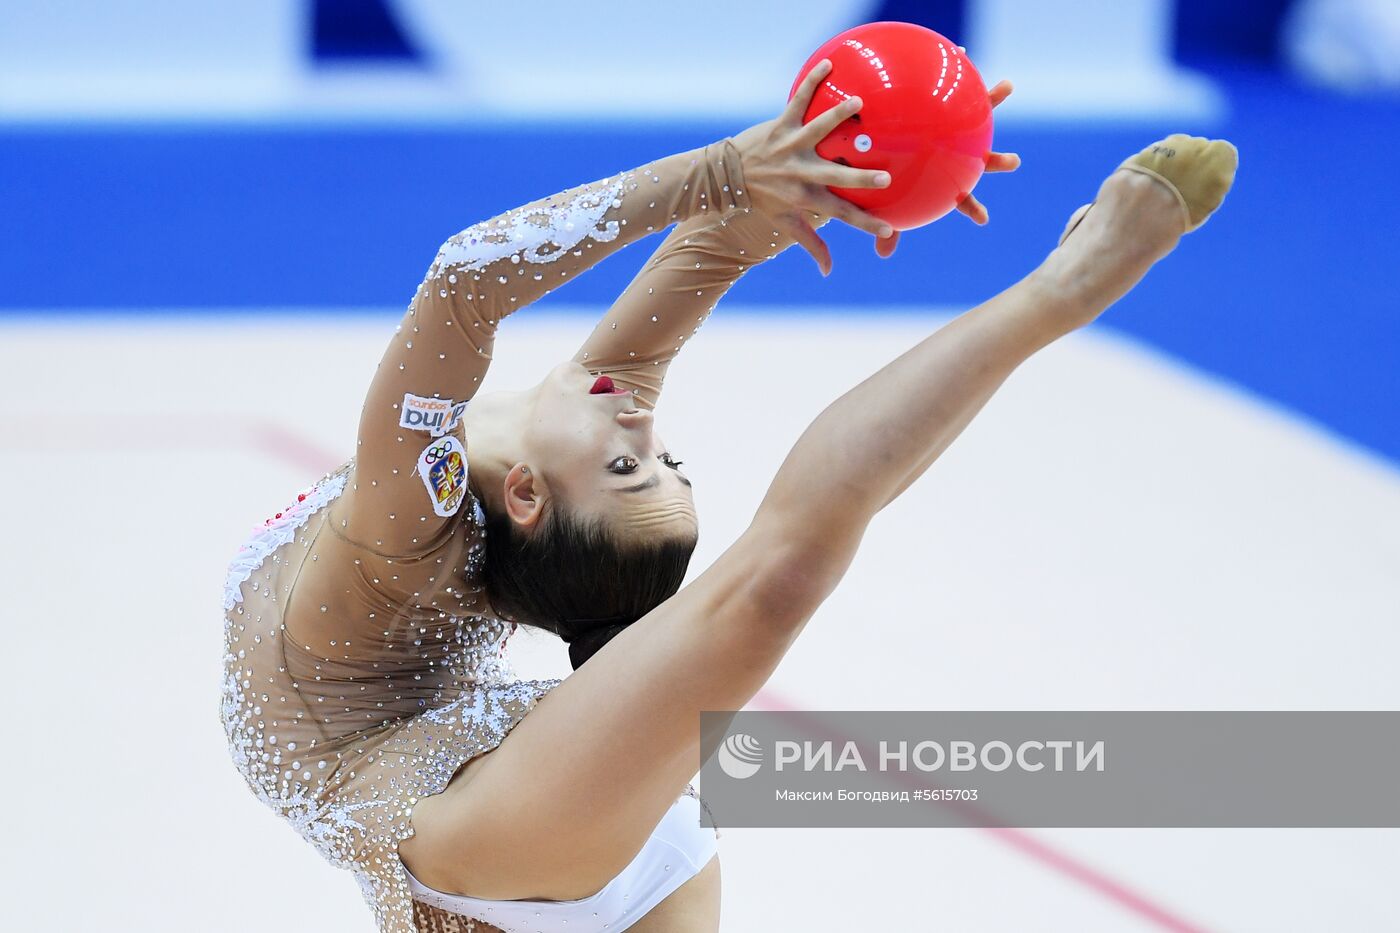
[594,449]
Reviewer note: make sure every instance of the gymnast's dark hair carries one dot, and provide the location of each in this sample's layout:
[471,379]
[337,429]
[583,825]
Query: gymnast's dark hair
[577,578]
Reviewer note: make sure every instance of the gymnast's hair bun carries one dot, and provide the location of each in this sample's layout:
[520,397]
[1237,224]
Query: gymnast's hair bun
[589,637]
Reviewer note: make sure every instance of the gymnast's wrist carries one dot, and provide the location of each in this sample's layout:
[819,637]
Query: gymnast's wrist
[728,165]
[704,182]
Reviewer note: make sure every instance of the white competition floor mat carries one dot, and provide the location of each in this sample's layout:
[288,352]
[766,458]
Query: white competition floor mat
[1114,532]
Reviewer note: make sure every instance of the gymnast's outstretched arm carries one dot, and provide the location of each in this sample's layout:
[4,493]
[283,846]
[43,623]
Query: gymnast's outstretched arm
[444,343]
[576,788]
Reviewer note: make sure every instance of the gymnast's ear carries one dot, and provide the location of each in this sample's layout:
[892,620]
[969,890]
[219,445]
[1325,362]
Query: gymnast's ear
[524,496]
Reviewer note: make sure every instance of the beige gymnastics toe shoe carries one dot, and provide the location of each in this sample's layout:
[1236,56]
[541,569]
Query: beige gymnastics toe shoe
[1197,171]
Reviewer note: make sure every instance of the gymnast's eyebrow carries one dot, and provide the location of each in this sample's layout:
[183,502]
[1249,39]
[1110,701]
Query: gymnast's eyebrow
[644,484]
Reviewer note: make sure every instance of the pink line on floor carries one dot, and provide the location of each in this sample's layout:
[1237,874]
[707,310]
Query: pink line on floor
[276,440]
[174,432]
[1033,848]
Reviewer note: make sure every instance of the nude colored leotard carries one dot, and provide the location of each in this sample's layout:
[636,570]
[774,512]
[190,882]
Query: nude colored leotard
[362,663]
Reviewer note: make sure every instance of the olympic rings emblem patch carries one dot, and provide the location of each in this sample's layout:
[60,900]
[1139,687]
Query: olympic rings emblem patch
[443,467]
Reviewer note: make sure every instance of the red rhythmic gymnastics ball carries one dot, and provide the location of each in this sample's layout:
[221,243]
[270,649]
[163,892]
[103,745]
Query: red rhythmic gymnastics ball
[925,119]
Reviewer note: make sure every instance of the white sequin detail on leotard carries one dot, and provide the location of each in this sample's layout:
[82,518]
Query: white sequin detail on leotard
[274,533]
[342,747]
[541,233]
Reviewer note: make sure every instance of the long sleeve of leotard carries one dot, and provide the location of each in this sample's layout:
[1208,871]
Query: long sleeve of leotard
[442,348]
[674,293]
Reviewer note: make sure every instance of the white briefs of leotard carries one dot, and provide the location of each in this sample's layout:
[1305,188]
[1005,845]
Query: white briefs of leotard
[676,851]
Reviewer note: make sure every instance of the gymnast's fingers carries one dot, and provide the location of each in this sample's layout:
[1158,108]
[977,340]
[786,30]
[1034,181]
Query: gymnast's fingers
[974,209]
[828,120]
[808,239]
[845,211]
[885,245]
[798,105]
[1003,162]
[844,176]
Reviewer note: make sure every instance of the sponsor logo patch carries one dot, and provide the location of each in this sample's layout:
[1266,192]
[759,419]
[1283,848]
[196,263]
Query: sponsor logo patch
[437,416]
[443,467]
[454,417]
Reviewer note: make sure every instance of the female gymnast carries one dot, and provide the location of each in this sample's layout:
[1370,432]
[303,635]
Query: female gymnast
[366,695]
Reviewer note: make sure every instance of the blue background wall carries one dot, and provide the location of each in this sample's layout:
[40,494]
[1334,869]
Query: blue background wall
[1289,292]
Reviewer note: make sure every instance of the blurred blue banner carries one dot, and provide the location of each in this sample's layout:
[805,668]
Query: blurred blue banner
[339,205]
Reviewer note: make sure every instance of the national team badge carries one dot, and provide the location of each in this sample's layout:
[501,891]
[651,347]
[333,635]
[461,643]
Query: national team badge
[443,467]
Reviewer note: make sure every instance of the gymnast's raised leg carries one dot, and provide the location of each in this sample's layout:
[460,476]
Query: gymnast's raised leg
[576,788]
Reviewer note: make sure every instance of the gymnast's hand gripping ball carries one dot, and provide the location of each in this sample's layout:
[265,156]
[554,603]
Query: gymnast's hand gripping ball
[925,119]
